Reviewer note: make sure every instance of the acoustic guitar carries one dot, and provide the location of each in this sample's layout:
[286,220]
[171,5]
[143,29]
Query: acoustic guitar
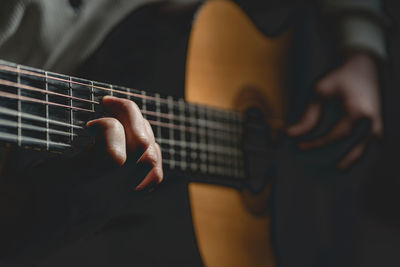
[220,134]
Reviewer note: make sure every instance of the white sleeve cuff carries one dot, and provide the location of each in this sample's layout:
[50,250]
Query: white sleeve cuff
[360,33]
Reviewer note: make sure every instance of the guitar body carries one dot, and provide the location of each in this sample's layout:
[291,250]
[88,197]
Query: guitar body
[232,65]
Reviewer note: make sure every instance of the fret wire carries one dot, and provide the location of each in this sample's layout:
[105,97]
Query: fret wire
[182,133]
[144,107]
[219,156]
[46,85]
[92,95]
[207,132]
[71,119]
[171,134]
[158,111]
[193,142]
[212,156]
[112,91]
[238,160]
[19,104]
[227,139]
[129,92]
[232,140]
[202,142]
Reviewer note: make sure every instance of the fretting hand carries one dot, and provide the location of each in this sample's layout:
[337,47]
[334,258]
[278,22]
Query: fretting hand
[128,133]
[355,83]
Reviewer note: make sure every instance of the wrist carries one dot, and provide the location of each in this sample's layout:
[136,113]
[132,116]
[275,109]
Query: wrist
[362,60]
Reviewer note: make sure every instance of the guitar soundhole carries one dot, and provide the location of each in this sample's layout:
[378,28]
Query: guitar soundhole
[258,151]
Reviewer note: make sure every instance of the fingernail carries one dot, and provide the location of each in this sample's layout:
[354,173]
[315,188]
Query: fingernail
[108,96]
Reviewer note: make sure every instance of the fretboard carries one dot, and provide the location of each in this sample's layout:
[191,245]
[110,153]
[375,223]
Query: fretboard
[48,111]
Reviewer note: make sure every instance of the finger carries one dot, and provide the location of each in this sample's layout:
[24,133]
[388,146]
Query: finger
[128,113]
[308,121]
[340,130]
[353,155]
[151,156]
[114,136]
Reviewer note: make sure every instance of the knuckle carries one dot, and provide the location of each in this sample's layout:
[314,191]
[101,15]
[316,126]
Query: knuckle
[151,156]
[129,106]
[143,141]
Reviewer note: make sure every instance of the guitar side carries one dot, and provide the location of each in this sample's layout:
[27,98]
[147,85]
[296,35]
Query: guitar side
[231,65]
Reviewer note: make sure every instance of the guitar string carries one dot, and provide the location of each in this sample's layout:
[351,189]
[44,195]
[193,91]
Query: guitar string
[9,123]
[224,159]
[154,99]
[221,165]
[168,116]
[220,150]
[23,115]
[213,169]
[31,88]
[156,123]
[126,93]
[35,100]
[239,116]
[216,125]
[217,149]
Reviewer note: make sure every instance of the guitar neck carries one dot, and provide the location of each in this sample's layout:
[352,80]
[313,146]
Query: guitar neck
[48,111]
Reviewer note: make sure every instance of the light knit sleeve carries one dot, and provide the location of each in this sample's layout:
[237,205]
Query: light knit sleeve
[357,25]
